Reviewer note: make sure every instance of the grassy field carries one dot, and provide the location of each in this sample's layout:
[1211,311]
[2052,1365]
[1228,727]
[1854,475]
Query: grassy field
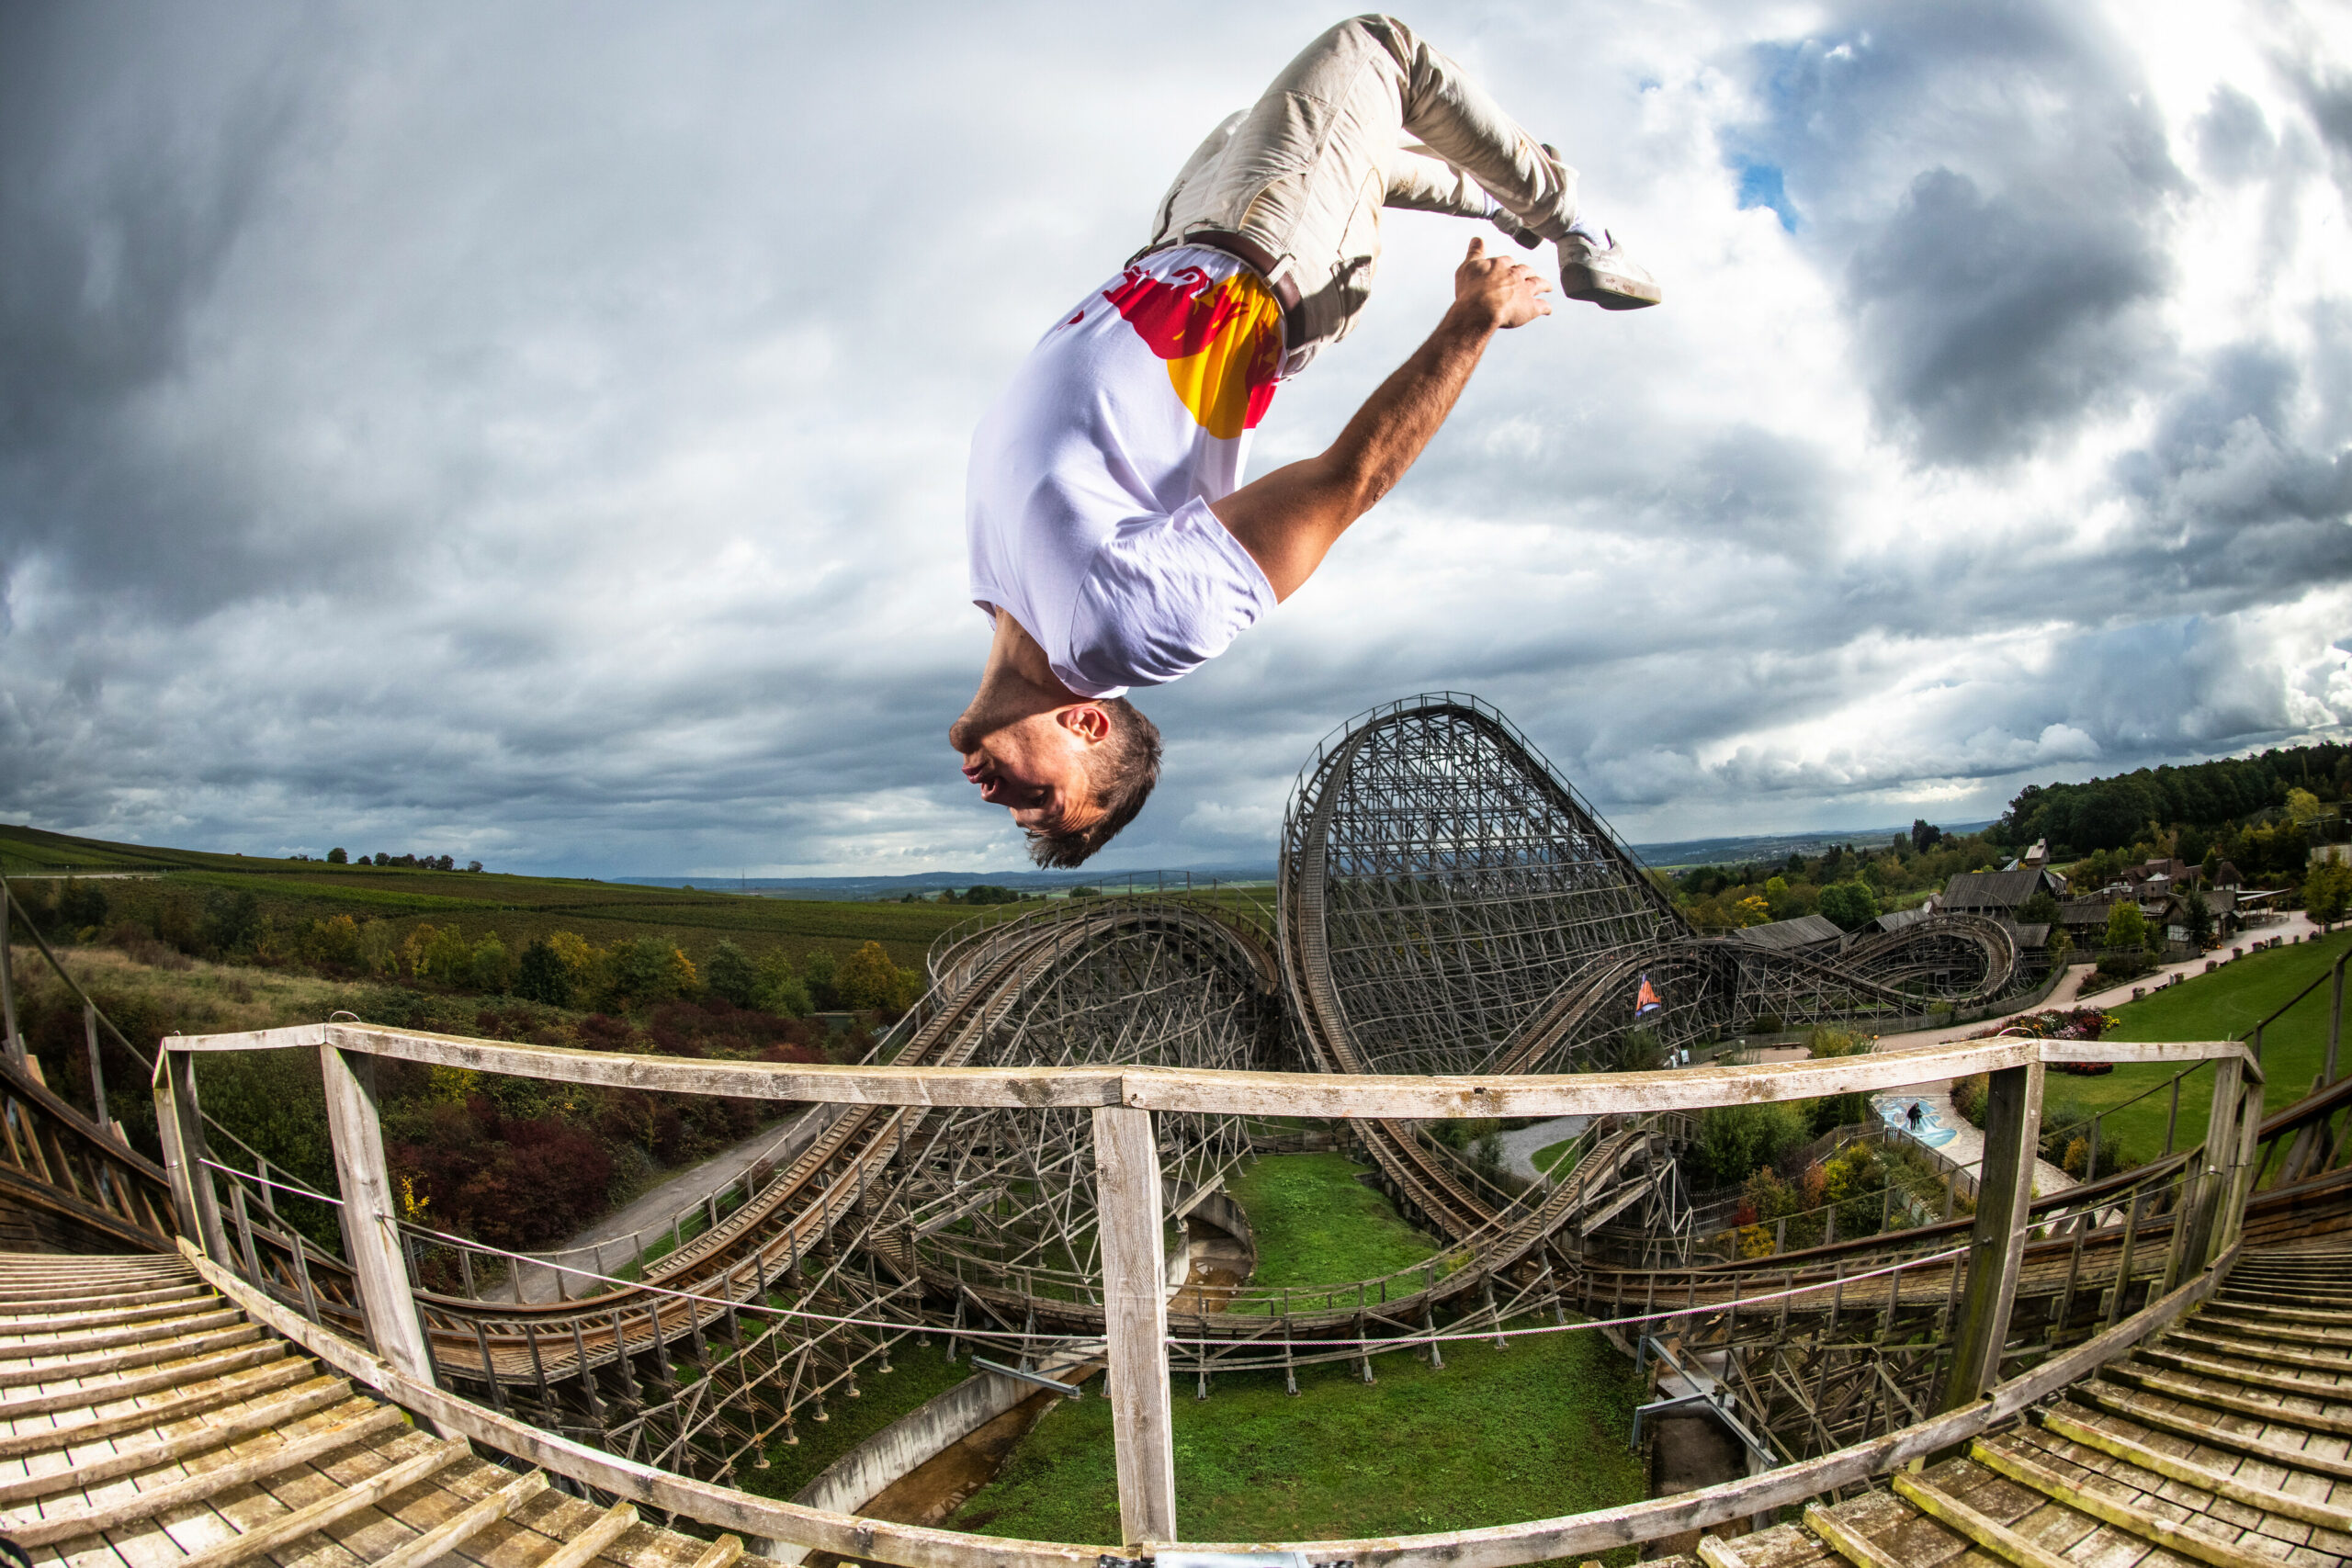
[2220,1006]
[917,1373]
[1497,1437]
[1316,1224]
[516,908]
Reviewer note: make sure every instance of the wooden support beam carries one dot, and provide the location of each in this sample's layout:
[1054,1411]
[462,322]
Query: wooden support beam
[2215,1161]
[368,1237]
[1135,1302]
[1996,1244]
[193,1192]
[9,1038]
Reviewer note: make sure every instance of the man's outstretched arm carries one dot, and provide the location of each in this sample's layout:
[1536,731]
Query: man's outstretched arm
[1288,519]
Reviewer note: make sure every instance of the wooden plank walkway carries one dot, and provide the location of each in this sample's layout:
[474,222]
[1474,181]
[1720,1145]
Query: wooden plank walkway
[145,1422]
[2226,1442]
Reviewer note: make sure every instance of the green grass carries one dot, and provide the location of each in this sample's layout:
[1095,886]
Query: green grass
[2220,1006]
[917,1373]
[1549,1156]
[1316,1224]
[1497,1437]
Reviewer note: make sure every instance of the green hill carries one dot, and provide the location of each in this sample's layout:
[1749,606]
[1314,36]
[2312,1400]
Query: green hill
[143,885]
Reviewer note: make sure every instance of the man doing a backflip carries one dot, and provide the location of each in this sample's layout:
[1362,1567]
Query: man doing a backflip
[1112,542]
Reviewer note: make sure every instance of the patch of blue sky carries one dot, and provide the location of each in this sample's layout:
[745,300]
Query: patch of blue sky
[1761,185]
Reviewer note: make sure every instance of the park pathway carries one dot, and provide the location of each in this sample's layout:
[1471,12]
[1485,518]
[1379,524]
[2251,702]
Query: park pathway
[616,1239]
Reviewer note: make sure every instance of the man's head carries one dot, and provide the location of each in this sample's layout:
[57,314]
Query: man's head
[1072,776]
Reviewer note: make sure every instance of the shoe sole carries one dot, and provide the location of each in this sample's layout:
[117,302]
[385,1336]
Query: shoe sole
[1609,290]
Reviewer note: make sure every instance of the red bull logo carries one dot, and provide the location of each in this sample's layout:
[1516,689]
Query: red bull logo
[1223,341]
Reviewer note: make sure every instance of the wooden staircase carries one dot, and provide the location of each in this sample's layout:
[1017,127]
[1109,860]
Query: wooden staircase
[2227,1441]
[147,1422]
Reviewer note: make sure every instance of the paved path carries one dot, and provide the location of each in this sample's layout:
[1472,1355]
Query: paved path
[1946,1130]
[1520,1147]
[635,1226]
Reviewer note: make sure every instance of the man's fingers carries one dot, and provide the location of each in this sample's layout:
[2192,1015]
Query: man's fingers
[1478,248]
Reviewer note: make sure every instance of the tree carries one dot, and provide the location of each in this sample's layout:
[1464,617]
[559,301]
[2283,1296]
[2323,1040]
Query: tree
[2327,891]
[232,918]
[337,857]
[817,970]
[2197,915]
[1751,910]
[2042,909]
[542,976]
[778,990]
[2303,807]
[642,970]
[2126,927]
[1850,905]
[490,966]
[868,979]
[729,973]
[1924,835]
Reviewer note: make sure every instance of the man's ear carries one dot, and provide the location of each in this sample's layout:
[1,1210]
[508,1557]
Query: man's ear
[1085,720]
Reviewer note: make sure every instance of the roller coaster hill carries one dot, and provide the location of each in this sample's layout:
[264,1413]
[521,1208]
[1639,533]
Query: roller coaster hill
[1032,1166]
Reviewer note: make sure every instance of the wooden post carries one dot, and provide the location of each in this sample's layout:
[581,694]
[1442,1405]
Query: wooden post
[1135,1299]
[14,1041]
[200,1204]
[2172,1117]
[2335,1016]
[1997,1246]
[99,1073]
[2214,1161]
[2240,1185]
[368,1237]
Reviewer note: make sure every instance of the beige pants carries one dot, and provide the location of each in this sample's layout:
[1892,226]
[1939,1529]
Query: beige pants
[1368,117]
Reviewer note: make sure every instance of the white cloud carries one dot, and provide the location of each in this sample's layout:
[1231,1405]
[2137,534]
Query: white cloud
[537,432]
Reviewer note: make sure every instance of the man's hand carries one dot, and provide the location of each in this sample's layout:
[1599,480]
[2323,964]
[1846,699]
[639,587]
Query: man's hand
[1288,519]
[1498,292]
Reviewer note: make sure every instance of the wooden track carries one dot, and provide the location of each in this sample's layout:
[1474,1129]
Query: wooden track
[146,1421]
[2227,1441]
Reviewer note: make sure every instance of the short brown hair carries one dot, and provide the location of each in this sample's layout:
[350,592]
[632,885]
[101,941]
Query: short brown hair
[1120,773]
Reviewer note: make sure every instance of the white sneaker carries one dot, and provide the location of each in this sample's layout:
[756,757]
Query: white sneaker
[1601,274]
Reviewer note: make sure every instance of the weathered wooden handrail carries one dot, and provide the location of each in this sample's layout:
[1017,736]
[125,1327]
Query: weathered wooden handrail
[1222,1092]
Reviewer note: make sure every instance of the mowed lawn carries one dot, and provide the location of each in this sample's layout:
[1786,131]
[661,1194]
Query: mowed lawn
[2221,1006]
[1316,1224]
[1497,1437]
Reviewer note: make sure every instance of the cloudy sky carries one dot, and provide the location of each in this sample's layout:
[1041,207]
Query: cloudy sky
[537,432]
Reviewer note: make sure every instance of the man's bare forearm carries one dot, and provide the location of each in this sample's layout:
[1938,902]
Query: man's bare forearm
[1397,423]
[1288,519]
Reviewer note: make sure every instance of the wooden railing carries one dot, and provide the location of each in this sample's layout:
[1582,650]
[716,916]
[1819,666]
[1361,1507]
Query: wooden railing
[1123,1101]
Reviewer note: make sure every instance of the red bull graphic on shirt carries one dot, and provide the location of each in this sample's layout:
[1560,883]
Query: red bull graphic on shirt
[1647,1003]
[1222,341]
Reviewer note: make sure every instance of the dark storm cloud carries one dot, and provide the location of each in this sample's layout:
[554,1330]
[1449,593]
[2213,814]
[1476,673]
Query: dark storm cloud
[1993,322]
[1992,179]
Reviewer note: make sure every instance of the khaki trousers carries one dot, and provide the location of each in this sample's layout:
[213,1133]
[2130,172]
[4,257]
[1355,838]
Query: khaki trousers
[1369,117]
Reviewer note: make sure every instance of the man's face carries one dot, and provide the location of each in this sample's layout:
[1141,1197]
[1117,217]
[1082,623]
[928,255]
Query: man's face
[1036,767]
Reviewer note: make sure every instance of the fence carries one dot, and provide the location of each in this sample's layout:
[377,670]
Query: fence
[1123,1102]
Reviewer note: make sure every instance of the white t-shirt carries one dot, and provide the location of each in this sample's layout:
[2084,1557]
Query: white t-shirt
[1086,503]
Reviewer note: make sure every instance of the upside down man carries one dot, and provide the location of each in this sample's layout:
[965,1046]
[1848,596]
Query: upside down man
[1113,541]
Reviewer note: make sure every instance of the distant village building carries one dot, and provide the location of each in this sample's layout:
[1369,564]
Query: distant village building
[1806,933]
[1998,895]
